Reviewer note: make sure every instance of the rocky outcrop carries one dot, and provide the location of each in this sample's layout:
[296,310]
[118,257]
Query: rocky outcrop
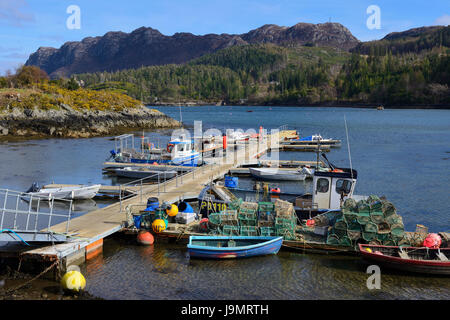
[71,123]
[147,46]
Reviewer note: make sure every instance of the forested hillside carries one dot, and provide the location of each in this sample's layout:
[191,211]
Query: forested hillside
[403,69]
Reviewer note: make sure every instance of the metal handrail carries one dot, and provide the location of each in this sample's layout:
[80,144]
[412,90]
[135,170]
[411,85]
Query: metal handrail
[30,198]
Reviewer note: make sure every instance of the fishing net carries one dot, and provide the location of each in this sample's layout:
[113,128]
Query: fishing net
[249,206]
[349,204]
[266,207]
[345,241]
[283,208]
[341,224]
[397,231]
[287,233]
[321,220]
[285,222]
[374,242]
[369,236]
[384,228]
[338,232]
[267,231]
[264,223]
[249,231]
[394,219]
[416,239]
[363,206]
[388,209]
[371,227]
[247,214]
[382,237]
[372,199]
[354,235]
[247,222]
[354,226]
[230,230]
[349,216]
[333,239]
[235,204]
[363,218]
[376,216]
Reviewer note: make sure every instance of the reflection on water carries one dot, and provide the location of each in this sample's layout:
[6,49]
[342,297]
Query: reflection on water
[164,271]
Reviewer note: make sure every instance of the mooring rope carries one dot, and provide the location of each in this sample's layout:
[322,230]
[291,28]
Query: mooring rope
[31,280]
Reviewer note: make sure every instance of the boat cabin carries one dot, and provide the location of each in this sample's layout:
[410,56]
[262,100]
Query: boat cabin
[332,186]
[182,151]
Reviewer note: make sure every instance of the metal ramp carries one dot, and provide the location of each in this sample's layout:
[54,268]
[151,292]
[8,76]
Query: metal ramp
[28,218]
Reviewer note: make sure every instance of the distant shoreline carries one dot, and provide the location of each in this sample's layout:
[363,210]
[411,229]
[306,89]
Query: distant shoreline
[324,105]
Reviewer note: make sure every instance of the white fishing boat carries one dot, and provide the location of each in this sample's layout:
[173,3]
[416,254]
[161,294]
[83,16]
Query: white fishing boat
[141,173]
[66,193]
[277,174]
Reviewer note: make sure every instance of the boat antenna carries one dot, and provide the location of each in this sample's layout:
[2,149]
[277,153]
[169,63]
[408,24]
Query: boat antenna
[348,147]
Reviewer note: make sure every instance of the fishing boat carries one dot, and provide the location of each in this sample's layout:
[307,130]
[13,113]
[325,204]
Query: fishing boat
[277,174]
[411,259]
[66,193]
[216,247]
[179,151]
[141,173]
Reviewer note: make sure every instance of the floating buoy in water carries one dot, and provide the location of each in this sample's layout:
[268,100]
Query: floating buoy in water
[73,281]
[173,211]
[158,225]
[145,238]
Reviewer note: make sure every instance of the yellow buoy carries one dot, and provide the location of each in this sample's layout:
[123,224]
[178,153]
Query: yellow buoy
[173,211]
[369,250]
[158,225]
[73,281]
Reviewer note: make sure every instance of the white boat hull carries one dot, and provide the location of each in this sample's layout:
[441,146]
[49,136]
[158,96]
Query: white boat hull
[276,174]
[68,193]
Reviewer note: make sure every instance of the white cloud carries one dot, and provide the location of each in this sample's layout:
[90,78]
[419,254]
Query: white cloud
[14,12]
[443,20]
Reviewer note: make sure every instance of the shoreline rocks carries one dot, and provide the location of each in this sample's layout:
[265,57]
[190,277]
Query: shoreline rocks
[70,123]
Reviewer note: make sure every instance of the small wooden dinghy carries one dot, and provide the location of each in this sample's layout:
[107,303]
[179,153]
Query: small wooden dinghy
[216,247]
[411,259]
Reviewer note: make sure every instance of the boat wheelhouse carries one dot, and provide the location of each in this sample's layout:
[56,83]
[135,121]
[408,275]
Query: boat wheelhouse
[180,151]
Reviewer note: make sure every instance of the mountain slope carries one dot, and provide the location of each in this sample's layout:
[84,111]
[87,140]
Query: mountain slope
[147,47]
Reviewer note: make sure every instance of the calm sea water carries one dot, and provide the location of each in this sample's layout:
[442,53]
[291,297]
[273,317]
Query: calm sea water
[402,154]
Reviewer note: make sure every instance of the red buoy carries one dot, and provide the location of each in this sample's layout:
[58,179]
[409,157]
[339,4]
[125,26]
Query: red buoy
[310,222]
[204,224]
[224,142]
[145,238]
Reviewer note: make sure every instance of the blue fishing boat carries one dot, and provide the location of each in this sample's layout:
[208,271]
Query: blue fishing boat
[222,247]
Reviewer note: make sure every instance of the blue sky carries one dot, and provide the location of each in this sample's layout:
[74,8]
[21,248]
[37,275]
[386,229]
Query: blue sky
[26,25]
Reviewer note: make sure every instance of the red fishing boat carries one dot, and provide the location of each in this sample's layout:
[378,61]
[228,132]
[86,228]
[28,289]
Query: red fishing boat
[411,259]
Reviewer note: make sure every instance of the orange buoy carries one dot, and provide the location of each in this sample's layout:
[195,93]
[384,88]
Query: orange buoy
[275,190]
[145,238]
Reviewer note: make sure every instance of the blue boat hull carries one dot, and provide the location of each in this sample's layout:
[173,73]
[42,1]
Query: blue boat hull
[271,246]
[191,161]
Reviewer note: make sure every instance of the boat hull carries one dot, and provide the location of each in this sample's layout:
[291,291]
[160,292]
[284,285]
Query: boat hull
[269,245]
[409,265]
[279,175]
[69,193]
[141,174]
